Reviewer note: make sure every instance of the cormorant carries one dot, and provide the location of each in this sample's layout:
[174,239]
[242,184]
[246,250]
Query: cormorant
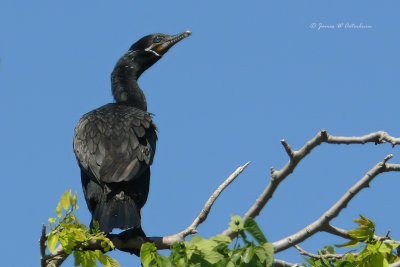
[115,144]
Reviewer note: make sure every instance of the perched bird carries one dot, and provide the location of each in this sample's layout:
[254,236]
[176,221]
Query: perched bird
[115,144]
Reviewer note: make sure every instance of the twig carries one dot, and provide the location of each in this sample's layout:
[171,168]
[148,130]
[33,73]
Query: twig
[207,207]
[325,256]
[288,149]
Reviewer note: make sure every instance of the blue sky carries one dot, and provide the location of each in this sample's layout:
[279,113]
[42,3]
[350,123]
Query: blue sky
[251,74]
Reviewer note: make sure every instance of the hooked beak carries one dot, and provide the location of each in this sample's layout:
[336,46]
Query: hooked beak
[169,42]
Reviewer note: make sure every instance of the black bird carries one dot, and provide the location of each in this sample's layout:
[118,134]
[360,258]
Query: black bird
[115,144]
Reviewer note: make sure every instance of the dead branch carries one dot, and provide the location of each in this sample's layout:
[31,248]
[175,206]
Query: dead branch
[322,224]
[277,176]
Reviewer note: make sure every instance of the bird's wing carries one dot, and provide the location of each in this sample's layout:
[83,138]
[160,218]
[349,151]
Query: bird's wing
[115,142]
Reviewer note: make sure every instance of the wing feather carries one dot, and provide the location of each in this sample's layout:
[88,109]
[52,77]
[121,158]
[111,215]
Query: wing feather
[115,142]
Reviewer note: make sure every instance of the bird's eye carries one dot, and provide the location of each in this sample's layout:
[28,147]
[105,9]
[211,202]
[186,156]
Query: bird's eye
[157,39]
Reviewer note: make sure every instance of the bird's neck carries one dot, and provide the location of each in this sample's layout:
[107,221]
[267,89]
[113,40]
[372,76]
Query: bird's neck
[125,87]
[126,90]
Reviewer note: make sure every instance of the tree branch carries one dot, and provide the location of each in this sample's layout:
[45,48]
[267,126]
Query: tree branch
[281,263]
[322,224]
[336,231]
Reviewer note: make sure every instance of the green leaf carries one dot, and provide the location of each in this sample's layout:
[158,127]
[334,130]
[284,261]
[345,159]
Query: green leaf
[146,253]
[236,223]
[309,261]
[236,255]
[78,258]
[222,239]
[255,231]
[248,254]
[269,252]
[385,248]
[322,258]
[52,220]
[58,210]
[330,249]
[364,222]
[52,242]
[66,199]
[360,234]
[377,260]
[351,243]
[106,260]
[344,264]
[75,200]
[260,252]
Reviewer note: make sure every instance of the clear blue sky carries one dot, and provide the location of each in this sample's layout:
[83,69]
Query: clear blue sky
[252,73]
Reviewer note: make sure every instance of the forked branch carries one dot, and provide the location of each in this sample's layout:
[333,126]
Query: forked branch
[277,176]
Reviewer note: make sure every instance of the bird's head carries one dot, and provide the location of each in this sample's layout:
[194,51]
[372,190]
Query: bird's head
[142,55]
[147,51]
[158,43]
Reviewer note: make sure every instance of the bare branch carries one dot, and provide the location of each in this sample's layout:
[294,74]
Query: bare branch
[336,231]
[379,137]
[277,176]
[323,222]
[281,263]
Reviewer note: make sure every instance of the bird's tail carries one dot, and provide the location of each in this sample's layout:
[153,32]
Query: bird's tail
[117,212]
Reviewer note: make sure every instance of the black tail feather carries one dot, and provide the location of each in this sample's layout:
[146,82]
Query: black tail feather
[117,213]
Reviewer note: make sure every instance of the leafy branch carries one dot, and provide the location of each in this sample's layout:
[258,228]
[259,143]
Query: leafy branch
[216,251]
[74,237]
[372,252]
